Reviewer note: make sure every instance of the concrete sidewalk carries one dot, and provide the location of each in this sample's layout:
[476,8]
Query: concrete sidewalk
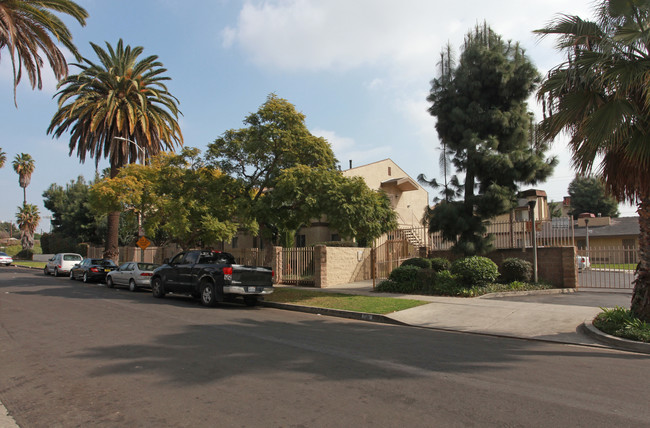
[549,315]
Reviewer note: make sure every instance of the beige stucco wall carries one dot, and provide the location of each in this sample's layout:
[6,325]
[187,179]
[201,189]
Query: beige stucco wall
[344,265]
[409,205]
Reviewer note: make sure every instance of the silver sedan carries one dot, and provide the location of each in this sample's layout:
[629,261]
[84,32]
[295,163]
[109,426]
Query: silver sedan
[131,274]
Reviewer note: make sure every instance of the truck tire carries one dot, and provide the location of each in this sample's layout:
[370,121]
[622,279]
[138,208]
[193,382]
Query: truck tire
[250,300]
[208,294]
[157,288]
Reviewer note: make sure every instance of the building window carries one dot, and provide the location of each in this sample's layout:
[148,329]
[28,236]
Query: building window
[335,237]
[389,172]
[301,241]
[234,242]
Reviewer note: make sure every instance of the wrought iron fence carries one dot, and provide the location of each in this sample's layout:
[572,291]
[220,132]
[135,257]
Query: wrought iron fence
[607,267]
[556,232]
[298,266]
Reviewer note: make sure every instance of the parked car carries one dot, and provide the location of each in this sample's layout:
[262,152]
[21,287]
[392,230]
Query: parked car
[131,274]
[583,262]
[92,269]
[61,263]
[5,259]
[212,277]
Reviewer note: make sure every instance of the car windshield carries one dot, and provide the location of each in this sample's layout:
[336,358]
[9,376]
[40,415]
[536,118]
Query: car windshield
[71,257]
[147,266]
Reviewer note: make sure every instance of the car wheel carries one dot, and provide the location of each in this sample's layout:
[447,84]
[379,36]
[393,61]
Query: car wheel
[85,277]
[132,286]
[250,300]
[157,288]
[208,297]
[45,272]
[71,275]
[109,282]
[56,272]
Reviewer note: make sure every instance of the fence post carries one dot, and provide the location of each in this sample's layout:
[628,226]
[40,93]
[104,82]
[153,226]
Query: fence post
[320,266]
[276,264]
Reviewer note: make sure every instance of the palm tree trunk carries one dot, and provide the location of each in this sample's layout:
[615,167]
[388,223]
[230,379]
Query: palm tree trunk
[112,250]
[640,305]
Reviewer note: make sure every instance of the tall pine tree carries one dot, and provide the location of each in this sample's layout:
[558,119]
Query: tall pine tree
[483,122]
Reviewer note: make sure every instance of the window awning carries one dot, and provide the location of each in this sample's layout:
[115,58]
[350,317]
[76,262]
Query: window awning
[404,184]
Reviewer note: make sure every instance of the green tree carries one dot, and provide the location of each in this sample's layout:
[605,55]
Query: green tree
[72,220]
[190,203]
[120,109]
[24,166]
[588,195]
[3,158]
[302,194]
[485,127]
[27,218]
[29,29]
[600,97]
[275,139]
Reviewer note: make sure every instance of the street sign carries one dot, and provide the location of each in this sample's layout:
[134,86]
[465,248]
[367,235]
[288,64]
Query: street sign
[143,243]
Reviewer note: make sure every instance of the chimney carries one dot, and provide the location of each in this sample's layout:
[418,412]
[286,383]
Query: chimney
[350,163]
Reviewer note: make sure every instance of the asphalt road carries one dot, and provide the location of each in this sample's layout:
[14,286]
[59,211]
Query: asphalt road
[77,355]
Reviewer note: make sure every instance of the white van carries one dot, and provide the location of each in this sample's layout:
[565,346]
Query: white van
[61,263]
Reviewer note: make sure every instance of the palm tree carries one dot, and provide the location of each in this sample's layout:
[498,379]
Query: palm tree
[24,167]
[3,158]
[600,97]
[119,109]
[28,29]
[27,218]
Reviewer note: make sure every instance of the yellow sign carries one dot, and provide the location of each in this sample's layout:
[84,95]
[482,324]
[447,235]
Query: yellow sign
[143,243]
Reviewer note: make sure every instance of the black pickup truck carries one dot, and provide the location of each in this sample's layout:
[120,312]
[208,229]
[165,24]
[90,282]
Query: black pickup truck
[211,276]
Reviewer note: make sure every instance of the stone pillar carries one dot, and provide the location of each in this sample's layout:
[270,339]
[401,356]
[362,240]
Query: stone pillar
[320,266]
[276,264]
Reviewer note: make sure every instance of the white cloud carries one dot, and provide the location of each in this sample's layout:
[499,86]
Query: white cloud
[346,149]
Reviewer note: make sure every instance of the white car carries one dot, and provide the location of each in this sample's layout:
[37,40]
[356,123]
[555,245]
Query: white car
[583,262]
[131,274]
[61,263]
[5,259]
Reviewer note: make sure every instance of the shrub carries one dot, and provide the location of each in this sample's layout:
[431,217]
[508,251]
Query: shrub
[475,270]
[514,269]
[404,274]
[390,286]
[439,283]
[26,254]
[439,264]
[419,262]
[620,322]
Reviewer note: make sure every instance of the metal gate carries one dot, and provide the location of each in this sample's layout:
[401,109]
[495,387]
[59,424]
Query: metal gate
[298,266]
[607,267]
[390,254]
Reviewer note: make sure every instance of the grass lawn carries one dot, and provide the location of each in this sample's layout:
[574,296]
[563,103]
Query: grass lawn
[615,266]
[347,302]
[30,263]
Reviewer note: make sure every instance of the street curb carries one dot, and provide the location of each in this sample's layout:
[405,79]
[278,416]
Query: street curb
[613,341]
[361,316]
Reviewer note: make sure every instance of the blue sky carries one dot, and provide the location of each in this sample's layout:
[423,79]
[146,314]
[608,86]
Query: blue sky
[359,70]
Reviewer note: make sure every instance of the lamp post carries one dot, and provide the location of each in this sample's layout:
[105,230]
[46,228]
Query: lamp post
[531,204]
[587,238]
